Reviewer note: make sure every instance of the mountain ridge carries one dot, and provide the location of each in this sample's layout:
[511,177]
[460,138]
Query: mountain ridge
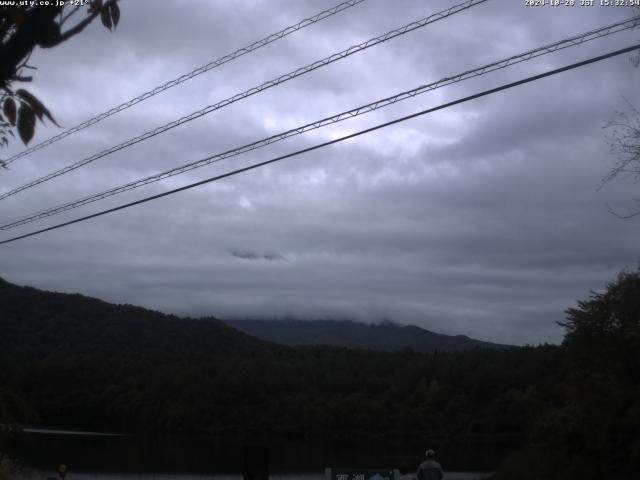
[79,363]
[384,336]
[252,334]
[54,321]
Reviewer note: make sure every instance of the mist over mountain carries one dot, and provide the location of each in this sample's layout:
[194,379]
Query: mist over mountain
[384,336]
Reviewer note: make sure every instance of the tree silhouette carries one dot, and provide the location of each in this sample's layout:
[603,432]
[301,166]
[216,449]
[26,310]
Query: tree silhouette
[623,138]
[22,29]
[624,142]
[604,330]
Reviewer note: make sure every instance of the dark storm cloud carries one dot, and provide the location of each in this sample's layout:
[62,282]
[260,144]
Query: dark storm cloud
[483,219]
[255,256]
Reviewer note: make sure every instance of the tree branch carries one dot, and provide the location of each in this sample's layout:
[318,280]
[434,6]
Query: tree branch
[621,216]
[70,14]
[38,26]
[83,24]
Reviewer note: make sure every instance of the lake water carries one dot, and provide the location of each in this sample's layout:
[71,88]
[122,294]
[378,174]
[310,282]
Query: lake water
[96,456]
[238,476]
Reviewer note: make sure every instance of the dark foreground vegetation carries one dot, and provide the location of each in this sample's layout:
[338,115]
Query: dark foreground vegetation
[569,411]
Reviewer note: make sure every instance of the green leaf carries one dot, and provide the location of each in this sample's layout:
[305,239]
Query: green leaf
[115,14]
[10,111]
[26,122]
[37,106]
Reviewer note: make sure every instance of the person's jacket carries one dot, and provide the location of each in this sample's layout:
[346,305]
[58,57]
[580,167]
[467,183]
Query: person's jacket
[429,470]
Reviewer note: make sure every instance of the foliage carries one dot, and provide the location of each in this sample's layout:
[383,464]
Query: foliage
[83,363]
[615,312]
[23,27]
[13,410]
[569,411]
[592,432]
[7,471]
[604,331]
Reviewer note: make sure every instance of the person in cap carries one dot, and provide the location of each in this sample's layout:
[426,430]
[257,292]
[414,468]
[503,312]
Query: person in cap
[430,469]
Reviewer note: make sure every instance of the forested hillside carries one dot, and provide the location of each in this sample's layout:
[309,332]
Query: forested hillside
[80,362]
[570,411]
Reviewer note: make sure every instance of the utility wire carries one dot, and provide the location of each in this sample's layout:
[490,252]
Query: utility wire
[252,91]
[188,76]
[331,142]
[370,107]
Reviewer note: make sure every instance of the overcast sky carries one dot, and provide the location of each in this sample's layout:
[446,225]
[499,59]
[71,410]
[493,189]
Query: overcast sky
[484,219]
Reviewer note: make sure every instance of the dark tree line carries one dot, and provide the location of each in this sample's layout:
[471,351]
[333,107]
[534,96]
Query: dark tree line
[570,411]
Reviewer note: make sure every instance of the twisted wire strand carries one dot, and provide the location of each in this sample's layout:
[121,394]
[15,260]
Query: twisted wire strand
[370,107]
[252,91]
[188,76]
[326,144]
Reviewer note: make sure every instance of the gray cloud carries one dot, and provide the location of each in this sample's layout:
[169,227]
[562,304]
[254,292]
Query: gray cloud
[243,255]
[483,219]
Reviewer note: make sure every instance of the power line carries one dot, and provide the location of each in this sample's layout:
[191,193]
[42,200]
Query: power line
[252,91]
[331,142]
[378,104]
[188,76]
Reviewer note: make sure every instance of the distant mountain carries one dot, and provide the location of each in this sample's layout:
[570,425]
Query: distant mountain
[76,362]
[386,336]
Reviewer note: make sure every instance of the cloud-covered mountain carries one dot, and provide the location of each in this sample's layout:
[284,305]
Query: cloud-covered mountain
[386,336]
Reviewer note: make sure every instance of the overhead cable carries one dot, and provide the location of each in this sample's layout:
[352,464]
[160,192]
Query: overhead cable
[370,107]
[252,91]
[188,76]
[331,142]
